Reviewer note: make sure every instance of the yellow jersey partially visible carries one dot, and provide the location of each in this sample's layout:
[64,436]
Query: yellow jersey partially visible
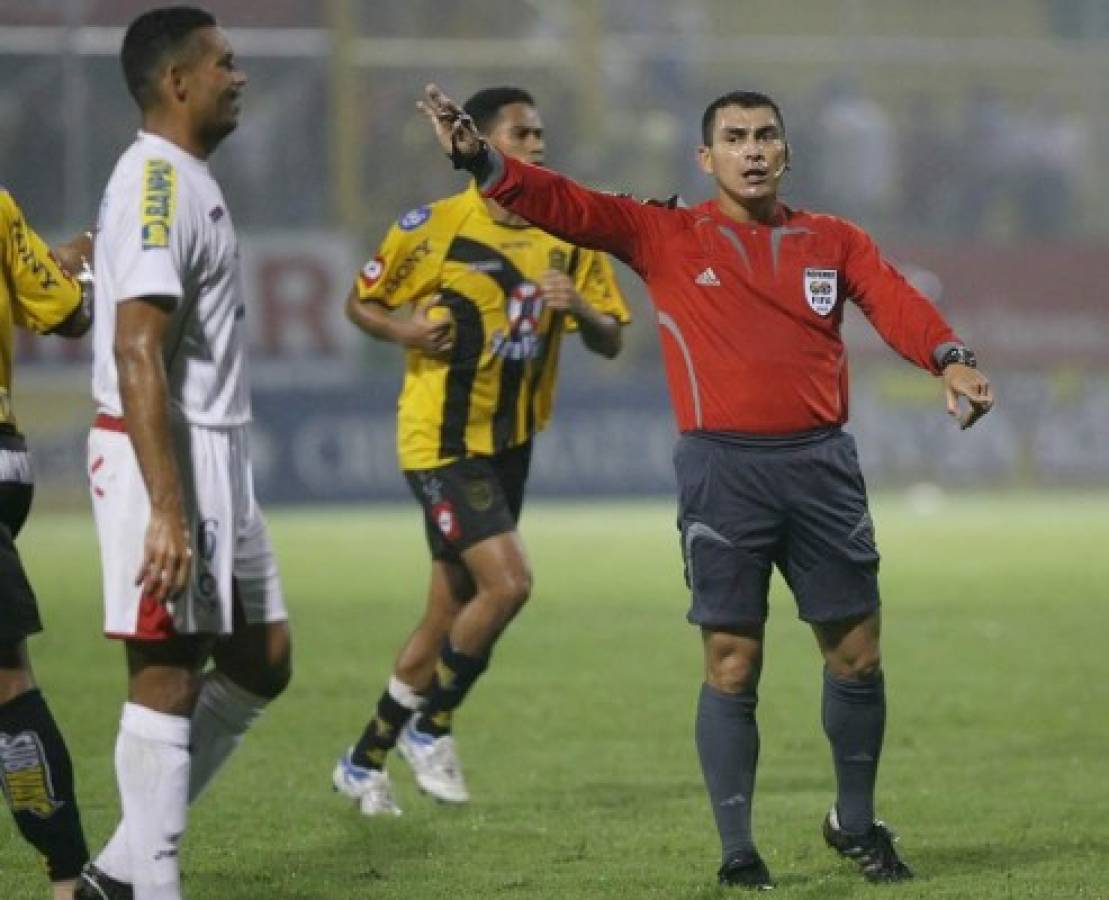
[35,291]
[496,389]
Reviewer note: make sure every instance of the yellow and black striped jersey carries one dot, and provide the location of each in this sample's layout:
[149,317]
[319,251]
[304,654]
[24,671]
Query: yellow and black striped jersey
[497,388]
[35,291]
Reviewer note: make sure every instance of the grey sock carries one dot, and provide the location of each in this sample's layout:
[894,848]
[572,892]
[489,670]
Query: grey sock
[728,745]
[854,714]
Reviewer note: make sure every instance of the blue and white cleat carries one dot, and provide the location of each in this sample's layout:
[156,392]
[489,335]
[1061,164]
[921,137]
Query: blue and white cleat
[435,763]
[369,787]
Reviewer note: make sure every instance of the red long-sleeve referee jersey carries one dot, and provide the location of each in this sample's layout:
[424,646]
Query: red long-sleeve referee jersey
[749,314]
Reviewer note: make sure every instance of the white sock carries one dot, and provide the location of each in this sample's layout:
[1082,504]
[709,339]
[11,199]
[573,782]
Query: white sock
[152,771]
[224,711]
[405,695]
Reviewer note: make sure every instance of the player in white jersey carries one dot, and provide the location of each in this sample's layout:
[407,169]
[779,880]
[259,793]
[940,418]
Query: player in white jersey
[189,574]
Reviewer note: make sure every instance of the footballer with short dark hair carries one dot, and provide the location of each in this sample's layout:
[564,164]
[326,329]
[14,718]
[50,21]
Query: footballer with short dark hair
[490,299]
[188,571]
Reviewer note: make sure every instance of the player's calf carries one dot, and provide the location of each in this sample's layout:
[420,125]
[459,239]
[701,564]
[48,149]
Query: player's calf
[37,776]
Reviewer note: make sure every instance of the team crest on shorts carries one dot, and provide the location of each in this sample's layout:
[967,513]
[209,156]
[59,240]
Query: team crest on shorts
[822,289]
[446,521]
[479,494]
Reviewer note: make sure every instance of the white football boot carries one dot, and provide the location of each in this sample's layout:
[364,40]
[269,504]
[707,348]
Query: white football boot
[369,787]
[435,764]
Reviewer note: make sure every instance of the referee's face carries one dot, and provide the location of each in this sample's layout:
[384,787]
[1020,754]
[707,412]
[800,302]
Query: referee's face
[517,131]
[748,153]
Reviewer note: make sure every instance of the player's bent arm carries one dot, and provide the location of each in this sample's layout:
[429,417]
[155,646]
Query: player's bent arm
[418,332]
[600,332]
[372,318]
[74,256]
[138,347]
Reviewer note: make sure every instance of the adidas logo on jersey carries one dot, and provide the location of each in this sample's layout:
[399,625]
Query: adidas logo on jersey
[707,278]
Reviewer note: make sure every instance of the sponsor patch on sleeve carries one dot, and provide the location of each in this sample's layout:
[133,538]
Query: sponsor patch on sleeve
[371,272]
[414,218]
[159,202]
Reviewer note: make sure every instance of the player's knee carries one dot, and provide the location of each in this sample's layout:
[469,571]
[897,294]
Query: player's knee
[734,673]
[15,679]
[276,679]
[515,589]
[865,665]
[274,676]
[265,678]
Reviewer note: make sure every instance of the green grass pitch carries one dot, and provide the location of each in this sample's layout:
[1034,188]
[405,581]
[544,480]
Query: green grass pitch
[578,743]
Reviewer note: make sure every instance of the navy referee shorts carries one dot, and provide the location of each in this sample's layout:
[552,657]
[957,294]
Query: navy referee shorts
[745,506]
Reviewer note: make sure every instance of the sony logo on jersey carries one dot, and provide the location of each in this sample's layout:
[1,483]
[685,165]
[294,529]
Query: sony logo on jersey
[407,266]
[25,253]
[822,289]
[159,198]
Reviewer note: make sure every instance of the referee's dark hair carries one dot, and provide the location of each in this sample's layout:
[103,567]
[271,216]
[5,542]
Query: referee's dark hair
[742,99]
[150,40]
[485,106]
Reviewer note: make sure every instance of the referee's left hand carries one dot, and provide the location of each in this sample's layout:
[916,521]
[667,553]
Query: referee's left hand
[454,129]
[965,381]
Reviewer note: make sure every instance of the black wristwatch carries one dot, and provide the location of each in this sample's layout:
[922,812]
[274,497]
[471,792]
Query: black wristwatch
[964,356]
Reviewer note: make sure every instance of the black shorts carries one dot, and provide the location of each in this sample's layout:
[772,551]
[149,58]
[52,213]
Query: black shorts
[743,508]
[471,499]
[19,615]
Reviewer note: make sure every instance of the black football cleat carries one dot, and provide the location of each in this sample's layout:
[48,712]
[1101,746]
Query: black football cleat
[872,851]
[93,884]
[745,870]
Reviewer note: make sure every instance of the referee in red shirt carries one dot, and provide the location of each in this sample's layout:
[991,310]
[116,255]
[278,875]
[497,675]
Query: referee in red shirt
[750,297]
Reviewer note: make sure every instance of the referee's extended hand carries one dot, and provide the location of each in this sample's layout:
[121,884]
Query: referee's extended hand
[454,129]
[965,381]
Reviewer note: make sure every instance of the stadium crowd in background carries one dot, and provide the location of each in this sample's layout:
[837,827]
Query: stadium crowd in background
[490,298]
[750,294]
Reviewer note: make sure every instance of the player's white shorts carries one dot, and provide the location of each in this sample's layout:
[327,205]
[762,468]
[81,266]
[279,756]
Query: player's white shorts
[230,540]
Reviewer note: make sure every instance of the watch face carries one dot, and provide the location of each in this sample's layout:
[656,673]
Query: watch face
[961,355]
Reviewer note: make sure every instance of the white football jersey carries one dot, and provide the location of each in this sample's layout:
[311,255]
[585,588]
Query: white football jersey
[164,230]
